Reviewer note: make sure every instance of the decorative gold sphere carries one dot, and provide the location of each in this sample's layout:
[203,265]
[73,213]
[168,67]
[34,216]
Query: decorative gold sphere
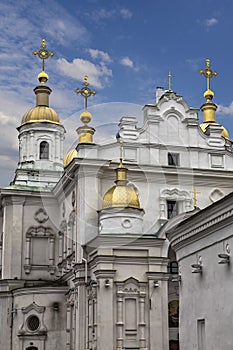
[43,77]
[85,117]
[208,94]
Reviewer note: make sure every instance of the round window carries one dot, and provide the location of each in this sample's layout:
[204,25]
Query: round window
[33,323]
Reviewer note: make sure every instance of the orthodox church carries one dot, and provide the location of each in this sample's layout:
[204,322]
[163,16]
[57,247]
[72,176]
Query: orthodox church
[84,256]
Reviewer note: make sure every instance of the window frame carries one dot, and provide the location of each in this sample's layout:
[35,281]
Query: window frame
[173,159]
[44,150]
[175,205]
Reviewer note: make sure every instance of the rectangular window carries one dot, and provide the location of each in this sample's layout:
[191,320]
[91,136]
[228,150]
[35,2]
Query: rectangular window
[201,338]
[173,159]
[172,209]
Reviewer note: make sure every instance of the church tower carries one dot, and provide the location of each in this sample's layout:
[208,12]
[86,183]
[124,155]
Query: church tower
[121,212]
[40,138]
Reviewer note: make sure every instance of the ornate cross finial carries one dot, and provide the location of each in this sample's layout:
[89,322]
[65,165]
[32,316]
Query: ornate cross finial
[43,53]
[170,76]
[195,197]
[208,73]
[85,91]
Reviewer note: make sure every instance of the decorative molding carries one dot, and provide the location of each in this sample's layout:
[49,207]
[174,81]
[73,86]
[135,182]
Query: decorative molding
[28,311]
[41,216]
[40,232]
[200,228]
[33,306]
[131,297]
[215,195]
[175,194]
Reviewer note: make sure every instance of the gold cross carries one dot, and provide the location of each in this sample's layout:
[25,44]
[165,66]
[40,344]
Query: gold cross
[85,91]
[208,73]
[170,76]
[43,53]
[195,197]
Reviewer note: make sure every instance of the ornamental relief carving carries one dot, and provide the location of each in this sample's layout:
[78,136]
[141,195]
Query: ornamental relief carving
[41,216]
[33,320]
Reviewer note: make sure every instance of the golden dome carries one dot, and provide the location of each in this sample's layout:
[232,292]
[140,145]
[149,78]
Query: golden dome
[224,130]
[40,114]
[121,196]
[70,156]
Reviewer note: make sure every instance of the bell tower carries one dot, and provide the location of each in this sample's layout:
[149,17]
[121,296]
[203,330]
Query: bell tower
[41,136]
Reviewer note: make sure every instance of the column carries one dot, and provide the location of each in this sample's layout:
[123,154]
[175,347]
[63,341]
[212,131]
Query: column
[142,324]
[57,147]
[27,255]
[12,237]
[31,151]
[119,320]
[60,247]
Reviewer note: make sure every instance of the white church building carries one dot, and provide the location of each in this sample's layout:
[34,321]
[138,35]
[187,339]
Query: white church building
[84,258]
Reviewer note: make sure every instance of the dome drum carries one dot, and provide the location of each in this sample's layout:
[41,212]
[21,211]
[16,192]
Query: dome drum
[121,221]
[85,134]
[42,95]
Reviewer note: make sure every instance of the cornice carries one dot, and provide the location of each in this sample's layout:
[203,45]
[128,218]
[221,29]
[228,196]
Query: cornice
[41,290]
[127,241]
[215,216]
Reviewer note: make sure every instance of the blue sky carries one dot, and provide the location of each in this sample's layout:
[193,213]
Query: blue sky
[126,47]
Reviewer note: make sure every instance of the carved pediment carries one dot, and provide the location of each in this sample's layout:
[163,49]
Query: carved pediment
[33,306]
[174,193]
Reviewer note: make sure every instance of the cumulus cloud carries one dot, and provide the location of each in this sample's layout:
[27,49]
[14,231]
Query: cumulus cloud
[126,61]
[226,110]
[6,119]
[98,73]
[103,56]
[210,22]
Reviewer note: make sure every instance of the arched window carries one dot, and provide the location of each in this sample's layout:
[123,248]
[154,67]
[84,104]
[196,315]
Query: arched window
[44,150]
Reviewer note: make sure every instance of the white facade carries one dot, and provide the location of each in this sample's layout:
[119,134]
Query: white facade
[203,244]
[95,278]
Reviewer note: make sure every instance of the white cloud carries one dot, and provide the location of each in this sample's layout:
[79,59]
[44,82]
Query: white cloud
[95,54]
[98,74]
[103,14]
[125,13]
[6,119]
[126,61]
[210,22]
[226,110]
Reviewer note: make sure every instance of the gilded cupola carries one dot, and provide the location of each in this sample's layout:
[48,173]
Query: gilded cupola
[209,108]
[41,137]
[121,195]
[85,132]
[42,112]
[73,153]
